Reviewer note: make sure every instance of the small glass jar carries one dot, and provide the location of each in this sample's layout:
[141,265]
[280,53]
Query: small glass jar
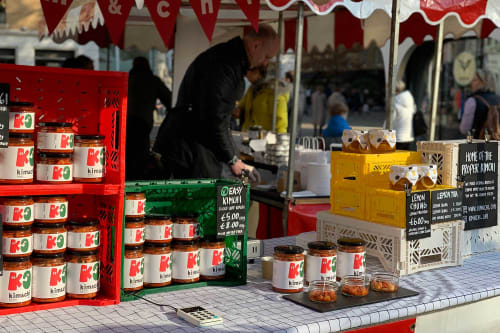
[134,204]
[384,282]
[49,238]
[186,262]
[133,268]
[21,117]
[382,141]
[55,137]
[54,169]
[17,160]
[17,241]
[212,265]
[355,141]
[351,257]
[83,235]
[158,228]
[157,265]
[17,210]
[355,285]
[49,277]
[89,158]
[288,269]
[323,291]
[186,227]
[134,231]
[82,274]
[51,209]
[16,293]
[321,263]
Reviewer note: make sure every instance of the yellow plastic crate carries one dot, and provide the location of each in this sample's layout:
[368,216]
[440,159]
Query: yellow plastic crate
[348,198]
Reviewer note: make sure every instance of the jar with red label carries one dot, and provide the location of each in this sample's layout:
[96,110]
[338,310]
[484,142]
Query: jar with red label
[89,157]
[288,269]
[157,265]
[133,268]
[212,265]
[18,293]
[351,257]
[49,238]
[51,209]
[54,168]
[321,263]
[82,279]
[135,203]
[55,137]
[17,210]
[49,277]
[17,160]
[186,262]
[21,117]
[17,241]
[134,231]
[186,227]
[83,235]
[158,228]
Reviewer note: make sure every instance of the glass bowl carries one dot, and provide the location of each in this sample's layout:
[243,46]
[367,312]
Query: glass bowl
[323,291]
[384,282]
[355,285]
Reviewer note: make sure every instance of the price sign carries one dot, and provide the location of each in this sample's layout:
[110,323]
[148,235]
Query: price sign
[4,115]
[478,167]
[418,215]
[446,205]
[231,210]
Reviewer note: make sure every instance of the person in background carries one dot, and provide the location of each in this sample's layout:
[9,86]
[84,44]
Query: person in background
[81,62]
[289,77]
[318,106]
[336,98]
[144,88]
[402,117]
[484,86]
[337,123]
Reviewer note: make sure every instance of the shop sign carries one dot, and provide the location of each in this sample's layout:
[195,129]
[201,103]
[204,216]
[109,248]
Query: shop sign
[418,216]
[231,210]
[446,205]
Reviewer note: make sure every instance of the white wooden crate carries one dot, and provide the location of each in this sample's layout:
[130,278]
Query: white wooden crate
[305,238]
[390,246]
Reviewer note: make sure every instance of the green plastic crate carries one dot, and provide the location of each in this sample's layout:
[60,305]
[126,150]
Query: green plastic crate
[192,196]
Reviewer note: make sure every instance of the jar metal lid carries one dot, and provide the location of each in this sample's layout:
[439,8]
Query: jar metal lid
[351,242]
[134,193]
[19,197]
[183,242]
[11,103]
[55,124]
[134,219]
[16,259]
[54,155]
[212,239]
[187,215]
[148,244]
[158,217]
[89,137]
[21,135]
[321,245]
[17,227]
[55,196]
[47,255]
[288,249]
[85,222]
[48,225]
[133,247]
[82,254]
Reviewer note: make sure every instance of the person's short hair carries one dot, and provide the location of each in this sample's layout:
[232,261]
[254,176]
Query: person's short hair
[400,86]
[338,109]
[488,78]
[266,32]
[141,63]
[83,62]
[289,76]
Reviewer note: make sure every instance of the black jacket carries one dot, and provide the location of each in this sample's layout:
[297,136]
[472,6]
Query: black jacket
[195,136]
[481,112]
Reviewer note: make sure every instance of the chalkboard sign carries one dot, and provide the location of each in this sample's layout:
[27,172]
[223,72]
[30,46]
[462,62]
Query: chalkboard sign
[418,215]
[446,205]
[4,115]
[231,210]
[478,169]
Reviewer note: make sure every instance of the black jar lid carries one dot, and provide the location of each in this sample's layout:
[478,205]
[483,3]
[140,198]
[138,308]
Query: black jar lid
[47,255]
[48,225]
[184,242]
[82,253]
[158,217]
[351,242]
[16,228]
[12,103]
[54,155]
[16,259]
[19,197]
[288,249]
[55,124]
[134,219]
[321,246]
[21,135]
[84,222]
[149,244]
[187,215]
[89,137]
[133,247]
[212,239]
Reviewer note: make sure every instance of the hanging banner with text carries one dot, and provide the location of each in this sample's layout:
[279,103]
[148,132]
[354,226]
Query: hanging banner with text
[478,167]
[231,210]
[4,115]
[418,215]
[446,205]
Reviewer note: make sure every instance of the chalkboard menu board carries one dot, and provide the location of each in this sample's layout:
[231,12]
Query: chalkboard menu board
[4,115]
[231,210]
[446,205]
[418,216]
[478,168]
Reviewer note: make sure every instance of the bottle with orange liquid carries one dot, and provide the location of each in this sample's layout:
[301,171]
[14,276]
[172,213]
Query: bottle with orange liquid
[355,141]
[403,177]
[427,176]
[382,141]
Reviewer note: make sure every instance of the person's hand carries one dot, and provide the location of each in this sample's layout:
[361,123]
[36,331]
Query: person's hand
[237,167]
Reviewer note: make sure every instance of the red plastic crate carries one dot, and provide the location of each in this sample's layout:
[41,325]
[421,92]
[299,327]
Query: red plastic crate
[96,103]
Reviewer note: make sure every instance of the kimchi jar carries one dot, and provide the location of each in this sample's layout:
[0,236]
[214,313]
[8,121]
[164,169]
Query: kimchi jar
[17,160]
[89,157]
[288,269]
[157,264]
[134,231]
[51,209]
[186,262]
[83,235]
[21,117]
[135,204]
[133,268]
[321,263]
[49,277]
[212,265]
[49,238]
[351,257]
[17,210]
[54,137]
[17,241]
[82,274]
[158,228]
[54,169]
[186,227]
[18,292]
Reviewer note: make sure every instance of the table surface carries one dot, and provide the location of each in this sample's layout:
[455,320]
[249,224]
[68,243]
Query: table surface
[256,308]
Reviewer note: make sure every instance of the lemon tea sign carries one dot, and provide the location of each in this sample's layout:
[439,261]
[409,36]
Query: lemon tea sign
[231,210]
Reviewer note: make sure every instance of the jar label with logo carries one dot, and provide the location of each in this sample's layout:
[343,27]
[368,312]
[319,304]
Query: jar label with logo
[186,231]
[212,262]
[321,268]
[82,278]
[134,235]
[49,282]
[21,121]
[88,162]
[17,163]
[49,242]
[159,232]
[351,263]
[134,207]
[83,240]
[157,268]
[17,214]
[55,141]
[288,275]
[54,173]
[133,271]
[17,246]
[51,211]
[15,286]
[186,265]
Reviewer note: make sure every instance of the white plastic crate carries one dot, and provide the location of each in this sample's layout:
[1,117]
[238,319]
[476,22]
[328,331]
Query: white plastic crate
[478,241]
[390,246]
[305,238]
